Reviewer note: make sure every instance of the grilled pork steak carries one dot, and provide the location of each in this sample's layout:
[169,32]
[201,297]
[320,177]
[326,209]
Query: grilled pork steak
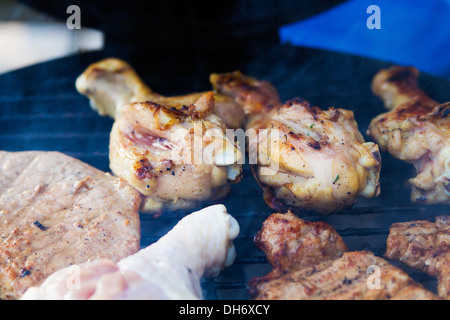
[56,211]
[311,262]
[423,245]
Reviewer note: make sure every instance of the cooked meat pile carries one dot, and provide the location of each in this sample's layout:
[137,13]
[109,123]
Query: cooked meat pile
[311,262]
[175,158]
[307,157]
[304,157]
[176,155]
[57,211]
[199,245]
[416,130]
[423,245]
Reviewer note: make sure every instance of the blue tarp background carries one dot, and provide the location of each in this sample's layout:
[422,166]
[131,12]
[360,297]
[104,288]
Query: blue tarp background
[413,32]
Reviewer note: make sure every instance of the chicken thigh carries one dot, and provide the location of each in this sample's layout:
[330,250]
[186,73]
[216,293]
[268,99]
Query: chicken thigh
[303,156]
[416,130]
[423,245]
[175,158]
[174,150]
[200,245]
[56,211]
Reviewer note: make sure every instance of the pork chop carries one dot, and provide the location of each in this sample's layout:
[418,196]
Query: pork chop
[56,211]
[423,245]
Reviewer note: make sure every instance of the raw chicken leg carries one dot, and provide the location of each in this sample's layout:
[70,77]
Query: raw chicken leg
[200,245]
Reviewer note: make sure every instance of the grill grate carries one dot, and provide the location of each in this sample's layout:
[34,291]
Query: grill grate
[40,110]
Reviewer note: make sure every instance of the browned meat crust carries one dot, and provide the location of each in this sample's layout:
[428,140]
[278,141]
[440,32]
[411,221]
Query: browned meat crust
[112,83]
[308,158]
[176,158]
[311,262]
[252,94]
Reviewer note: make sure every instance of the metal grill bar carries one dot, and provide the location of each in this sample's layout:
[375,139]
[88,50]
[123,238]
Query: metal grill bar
[50,115]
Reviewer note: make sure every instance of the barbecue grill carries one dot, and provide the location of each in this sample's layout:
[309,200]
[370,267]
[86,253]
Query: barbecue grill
[41,110]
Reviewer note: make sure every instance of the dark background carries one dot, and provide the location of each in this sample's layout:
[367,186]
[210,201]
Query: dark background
[185,41]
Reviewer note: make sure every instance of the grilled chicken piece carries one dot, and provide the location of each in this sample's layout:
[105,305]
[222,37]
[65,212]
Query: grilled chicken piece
[200,245]
[307,157]
[174,150]
[416,130]
[57,211]
[311,262]
[112,83]
[423,245]
[175,158]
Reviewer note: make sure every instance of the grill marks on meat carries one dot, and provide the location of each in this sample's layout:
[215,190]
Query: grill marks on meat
[311,262]
[174,150]
[416,130]
[307,157]
[423,245]
[57,211]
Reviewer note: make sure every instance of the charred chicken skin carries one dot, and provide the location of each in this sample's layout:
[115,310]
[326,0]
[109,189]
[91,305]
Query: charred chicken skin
[58,211]
[175,158]
[112,83]
[307,157]
[423,245]
[416,130]
[311,262]
[173,150]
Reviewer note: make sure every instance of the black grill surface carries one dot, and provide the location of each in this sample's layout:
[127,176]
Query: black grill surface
[41,110]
